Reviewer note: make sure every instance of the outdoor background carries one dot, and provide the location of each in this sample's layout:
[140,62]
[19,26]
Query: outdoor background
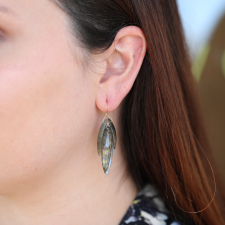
[204,26]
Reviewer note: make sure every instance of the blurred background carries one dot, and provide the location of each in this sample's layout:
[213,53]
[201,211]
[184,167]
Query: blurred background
[204,27]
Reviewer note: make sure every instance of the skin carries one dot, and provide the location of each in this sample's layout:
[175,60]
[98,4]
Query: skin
[51,108]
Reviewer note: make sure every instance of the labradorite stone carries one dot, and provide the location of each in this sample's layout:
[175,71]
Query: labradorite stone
[100,134]
[107,148]
[106,143]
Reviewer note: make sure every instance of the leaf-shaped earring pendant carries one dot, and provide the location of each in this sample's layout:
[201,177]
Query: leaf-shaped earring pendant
[106,142]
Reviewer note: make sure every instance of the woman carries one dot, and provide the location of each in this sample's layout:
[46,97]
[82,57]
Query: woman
[64,66]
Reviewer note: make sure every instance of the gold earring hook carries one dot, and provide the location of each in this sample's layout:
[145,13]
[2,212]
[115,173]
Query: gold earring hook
[106,108]
[107,112]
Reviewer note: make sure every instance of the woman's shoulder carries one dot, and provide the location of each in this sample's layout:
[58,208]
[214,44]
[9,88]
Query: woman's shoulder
[148,208]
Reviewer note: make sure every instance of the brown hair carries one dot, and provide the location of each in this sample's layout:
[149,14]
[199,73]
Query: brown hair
[163,124]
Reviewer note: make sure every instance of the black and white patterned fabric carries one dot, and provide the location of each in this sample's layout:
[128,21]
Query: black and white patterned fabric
[148,208]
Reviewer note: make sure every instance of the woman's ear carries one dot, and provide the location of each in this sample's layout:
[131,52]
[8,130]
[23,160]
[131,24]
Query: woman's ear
[122,62]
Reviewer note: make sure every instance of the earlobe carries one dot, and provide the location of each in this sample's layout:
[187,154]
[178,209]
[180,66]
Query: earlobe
[123,63]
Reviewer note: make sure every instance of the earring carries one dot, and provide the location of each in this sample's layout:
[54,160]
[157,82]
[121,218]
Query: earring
[106,141]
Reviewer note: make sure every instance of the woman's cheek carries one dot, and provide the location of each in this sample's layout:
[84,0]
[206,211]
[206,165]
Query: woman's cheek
[42,104]
[30,122]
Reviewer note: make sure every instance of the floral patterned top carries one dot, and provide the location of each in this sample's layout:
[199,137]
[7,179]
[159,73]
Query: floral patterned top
[148,208]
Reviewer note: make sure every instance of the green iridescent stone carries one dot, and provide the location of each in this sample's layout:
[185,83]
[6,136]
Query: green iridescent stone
[106,143]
